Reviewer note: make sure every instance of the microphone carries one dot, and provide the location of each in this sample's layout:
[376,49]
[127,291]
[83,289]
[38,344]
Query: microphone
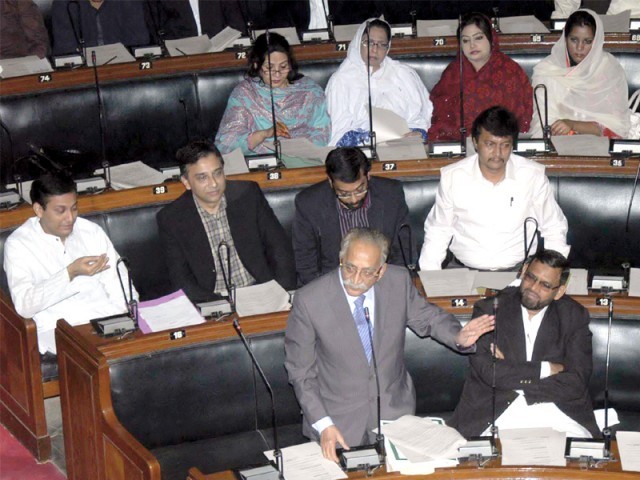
[379,436]
[277,470]
[101,122]
[77,32]
[633,194]
[120,324]
[494,358]
[52,166]
[463,129]
[226,274]
[409,265]
[372,134]
[131,303]
[160,33]
[546,129]
[496,19]
[276,142]
[329,19]
[536,234]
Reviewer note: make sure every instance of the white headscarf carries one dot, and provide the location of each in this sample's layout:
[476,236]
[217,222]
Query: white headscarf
[595,90]
[395,86]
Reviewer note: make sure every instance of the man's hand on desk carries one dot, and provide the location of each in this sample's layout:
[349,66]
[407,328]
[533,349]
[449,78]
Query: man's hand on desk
[473,330]
[88,266]
[329,438]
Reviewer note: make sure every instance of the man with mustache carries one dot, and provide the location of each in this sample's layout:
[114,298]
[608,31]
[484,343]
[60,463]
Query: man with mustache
[349,198]
[483,201]
[329,347]
[544,358]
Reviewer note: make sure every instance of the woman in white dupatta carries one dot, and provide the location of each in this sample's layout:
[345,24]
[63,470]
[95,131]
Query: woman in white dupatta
[587,87]
[394,86]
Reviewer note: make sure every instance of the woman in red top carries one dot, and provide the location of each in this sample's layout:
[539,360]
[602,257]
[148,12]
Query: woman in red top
[489,78]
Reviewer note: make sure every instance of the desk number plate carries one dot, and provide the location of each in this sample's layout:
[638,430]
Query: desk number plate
[274,175]
[178,335]
[389,166]
[602,302]
[458,302]
[160,190]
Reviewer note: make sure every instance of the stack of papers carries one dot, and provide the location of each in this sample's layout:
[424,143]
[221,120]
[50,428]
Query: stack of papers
[134,174]
[302,462]
[533,446]
[581,145]
[235,163]
[18,67]
[522,24]
[417,446]
[629,448]
[167,313]
[437,28]
[260,299]
[108,54]
[462,281]
[300,152]
[406,148]
[345,33]
[634,282]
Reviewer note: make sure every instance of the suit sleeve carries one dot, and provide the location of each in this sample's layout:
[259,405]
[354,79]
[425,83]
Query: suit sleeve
[300,361]
[179,270]
[400,216]
[578,364]
[276,243]
[306,244]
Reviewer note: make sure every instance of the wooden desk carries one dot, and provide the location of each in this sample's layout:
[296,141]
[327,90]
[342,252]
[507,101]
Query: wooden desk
[493,470]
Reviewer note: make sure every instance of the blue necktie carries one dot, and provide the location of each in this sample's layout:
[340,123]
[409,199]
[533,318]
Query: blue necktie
[363,329]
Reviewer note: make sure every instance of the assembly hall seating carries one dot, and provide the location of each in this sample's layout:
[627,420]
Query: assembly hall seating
[595,207]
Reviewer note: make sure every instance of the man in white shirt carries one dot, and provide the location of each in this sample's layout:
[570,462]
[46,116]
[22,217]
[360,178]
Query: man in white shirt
[61,266]
[543,358]
[483,201]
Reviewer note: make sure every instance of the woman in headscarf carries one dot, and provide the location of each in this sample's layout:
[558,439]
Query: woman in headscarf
[394,86]
[300,105]
[586,86]
[489,78]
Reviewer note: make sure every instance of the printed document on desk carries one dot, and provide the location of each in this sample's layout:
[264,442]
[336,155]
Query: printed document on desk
[629,448]
[304,462]
[388,125]
[263,298]
[168,312]
[533,446]
[134,174]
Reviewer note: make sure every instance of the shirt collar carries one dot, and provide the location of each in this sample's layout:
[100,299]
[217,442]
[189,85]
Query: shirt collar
[509,173]
[204,213]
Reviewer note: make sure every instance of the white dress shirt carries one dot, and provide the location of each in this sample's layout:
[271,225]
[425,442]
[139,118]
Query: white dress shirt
[544,414]
[484,222]
[195,8]
[370,303]
[36,267]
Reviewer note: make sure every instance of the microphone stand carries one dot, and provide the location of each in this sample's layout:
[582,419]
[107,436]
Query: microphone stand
[78,34]
[379,436]
[103,148]
[226,274]
[410,266]
[536,233]
[463,130]
[546,129]
[606,431]
[278,470]
[372,134]
[494,358]
[276,141]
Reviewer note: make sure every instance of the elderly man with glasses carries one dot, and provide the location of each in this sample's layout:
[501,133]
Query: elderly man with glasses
[543,358]
[349,198]
[343,324]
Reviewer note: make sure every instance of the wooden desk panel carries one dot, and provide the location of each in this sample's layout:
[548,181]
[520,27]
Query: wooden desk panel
[493,470]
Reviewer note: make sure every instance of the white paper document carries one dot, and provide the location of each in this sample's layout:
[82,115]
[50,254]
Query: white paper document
[522,24]
[289,33]
[305,462]
[19,67]
[234,162]
[437,28]
[533,446]
[302,148]
[578,282]
[629,448]
[618,23]
[263,298]
[422,440]
[188,46]
[345,33]
[581,145]
[448,282]
[224,39]
[493,280]
[134,174]
[407,148]
[109,54]
[388,125]
[168,312]
[634,282]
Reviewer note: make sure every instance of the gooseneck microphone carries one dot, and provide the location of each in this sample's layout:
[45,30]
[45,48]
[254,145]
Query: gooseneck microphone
[546,129]
[226,274]
[409,265]
[131,302]
[157,29]
[77,29]
[494,358]
[536,234]
[463,129]
[372,134]
[606,431]
[379,436]
[276,141]
[101,124]
[329,19]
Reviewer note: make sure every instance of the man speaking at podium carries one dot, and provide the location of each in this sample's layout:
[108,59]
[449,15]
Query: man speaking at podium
[329,354]
[543,361]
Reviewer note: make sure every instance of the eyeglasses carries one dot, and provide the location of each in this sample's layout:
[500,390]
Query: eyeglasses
[371,44]
[358,192]
[276,71]
[367,273]
[546,286]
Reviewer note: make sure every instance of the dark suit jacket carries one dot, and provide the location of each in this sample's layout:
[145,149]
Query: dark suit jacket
[316,226]
[326,362]
[261,242]
[564,337]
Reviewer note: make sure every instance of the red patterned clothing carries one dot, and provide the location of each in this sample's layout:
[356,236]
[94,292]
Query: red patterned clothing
[501,81]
